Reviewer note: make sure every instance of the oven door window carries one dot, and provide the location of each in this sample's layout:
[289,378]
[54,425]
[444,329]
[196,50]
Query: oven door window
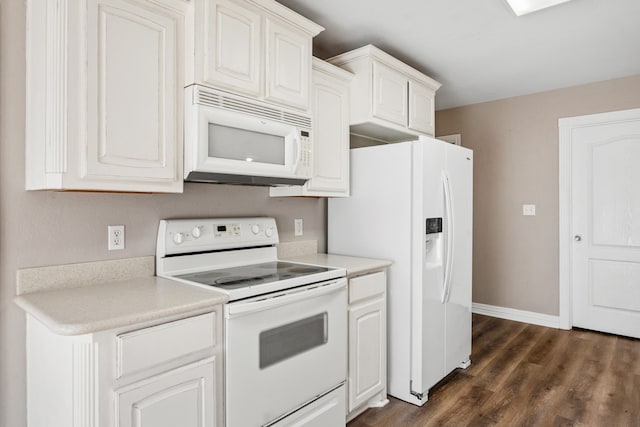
[227,142]
[289,340]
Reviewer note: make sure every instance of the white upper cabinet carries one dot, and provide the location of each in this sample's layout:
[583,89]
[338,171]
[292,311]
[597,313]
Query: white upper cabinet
[330,135]
[421,108]
[389,94]
[257,48]
[104,95]
[231,55]
[288,57]
[391,101]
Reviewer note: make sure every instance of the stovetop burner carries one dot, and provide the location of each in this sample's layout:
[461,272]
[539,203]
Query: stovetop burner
[251,275]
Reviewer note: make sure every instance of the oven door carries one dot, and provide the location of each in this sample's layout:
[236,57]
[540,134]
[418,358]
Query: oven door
[283,351]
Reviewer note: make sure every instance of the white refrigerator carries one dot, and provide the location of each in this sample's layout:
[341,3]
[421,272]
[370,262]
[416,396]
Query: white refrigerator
[411,203]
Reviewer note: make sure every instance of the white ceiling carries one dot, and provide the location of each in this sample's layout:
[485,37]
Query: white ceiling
[479,50]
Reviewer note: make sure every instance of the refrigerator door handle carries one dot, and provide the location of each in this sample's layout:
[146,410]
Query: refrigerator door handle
[446,286]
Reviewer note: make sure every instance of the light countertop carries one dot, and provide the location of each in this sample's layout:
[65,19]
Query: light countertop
[88,309]
[355,266]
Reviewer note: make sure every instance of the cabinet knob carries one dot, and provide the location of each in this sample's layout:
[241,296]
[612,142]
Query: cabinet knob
[577,237]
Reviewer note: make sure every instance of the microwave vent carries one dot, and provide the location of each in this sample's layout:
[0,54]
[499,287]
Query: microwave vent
[227,102]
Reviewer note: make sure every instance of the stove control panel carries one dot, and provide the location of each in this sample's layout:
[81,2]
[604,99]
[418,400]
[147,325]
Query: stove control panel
[227,230]
[179,236]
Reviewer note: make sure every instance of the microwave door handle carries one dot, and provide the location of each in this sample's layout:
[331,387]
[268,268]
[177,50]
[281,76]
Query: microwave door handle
[297,155]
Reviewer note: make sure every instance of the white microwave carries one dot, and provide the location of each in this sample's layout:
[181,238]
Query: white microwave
[233,139]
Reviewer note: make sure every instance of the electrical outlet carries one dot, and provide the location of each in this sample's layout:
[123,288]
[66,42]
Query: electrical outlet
[297,226]
[116,237]
[528,210]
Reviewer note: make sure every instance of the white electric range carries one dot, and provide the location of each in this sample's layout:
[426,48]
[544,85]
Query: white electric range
[285,326]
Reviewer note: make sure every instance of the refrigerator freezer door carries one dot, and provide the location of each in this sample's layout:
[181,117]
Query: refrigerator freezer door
[375,222]
[428,262]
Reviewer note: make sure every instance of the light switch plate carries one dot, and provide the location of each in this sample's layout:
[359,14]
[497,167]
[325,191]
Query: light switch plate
[528,210]
[298,229]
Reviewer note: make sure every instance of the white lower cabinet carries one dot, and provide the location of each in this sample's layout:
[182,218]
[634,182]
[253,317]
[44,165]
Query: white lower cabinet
[178,398]
[367,371]
[147,375]
[365,326]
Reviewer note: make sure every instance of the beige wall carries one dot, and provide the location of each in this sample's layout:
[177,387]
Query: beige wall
[45,228]
[515,143]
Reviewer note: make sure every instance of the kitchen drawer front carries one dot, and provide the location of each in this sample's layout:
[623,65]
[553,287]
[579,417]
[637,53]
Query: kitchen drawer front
[367,286]
[150,347]
[329,410]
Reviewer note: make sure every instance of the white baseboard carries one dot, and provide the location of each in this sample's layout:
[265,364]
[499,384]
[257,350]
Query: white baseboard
[517,315]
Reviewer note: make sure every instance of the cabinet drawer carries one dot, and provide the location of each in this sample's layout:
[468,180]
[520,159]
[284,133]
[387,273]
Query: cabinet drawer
[149,347]
[367,286]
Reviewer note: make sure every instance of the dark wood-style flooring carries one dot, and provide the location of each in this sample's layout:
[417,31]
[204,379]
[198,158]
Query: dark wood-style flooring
[527,375]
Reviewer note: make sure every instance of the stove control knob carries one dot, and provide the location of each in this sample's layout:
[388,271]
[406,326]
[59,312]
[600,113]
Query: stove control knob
[268,232]
[178,238]
[255,228]
[196,232]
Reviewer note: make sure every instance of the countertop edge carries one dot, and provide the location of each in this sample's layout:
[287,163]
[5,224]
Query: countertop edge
[89,309]
[75,329]
[353,265]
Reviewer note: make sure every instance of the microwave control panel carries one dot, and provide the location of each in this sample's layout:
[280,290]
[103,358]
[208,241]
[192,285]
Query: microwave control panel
[304,168]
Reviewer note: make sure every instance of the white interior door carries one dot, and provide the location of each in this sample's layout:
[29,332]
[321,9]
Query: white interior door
[604,226]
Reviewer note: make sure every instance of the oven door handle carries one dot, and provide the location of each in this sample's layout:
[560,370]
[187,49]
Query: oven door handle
[285,298]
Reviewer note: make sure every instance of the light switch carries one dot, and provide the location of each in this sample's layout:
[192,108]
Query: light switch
[528,210]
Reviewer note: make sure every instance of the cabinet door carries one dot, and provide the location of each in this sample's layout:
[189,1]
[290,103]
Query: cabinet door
[421,108]
[232,50]
[134,96]
[389,94]
[184,397]
[367,347]
[288,67]
[330,108]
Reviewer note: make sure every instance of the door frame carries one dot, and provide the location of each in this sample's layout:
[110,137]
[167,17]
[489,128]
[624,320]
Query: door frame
[566,126]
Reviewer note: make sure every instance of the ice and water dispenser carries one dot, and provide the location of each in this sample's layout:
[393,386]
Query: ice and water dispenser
[433,241]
